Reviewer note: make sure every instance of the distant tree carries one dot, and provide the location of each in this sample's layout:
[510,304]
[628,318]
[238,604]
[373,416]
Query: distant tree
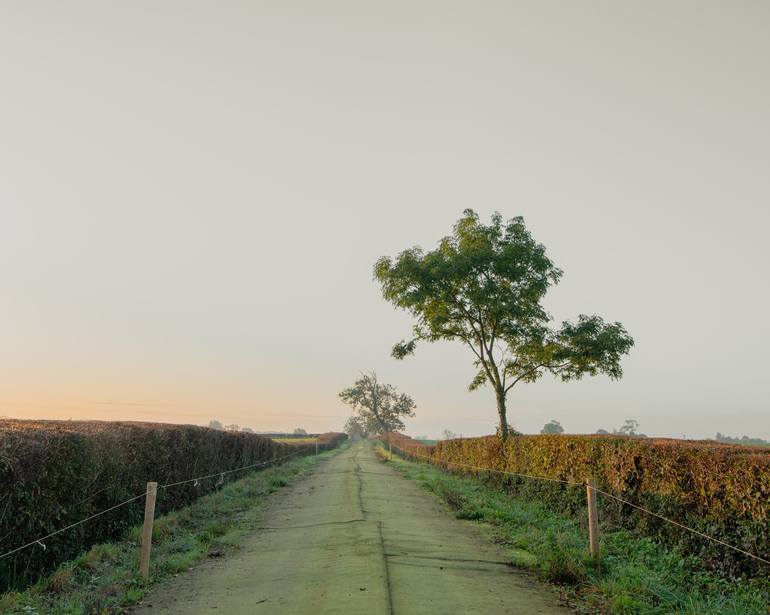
[355,428]
[379,407]
[552,427]
[603,432]
[232,427]
[629,428]
[483,286]
[744,440]
[448,434]
[216,425]
[247,429]
[300,432]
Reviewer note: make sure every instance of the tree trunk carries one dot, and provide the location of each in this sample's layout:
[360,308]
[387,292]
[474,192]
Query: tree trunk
[501,412]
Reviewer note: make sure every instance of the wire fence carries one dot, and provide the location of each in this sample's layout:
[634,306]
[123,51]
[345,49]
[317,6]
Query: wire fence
[41,541]
[600,491]
[195,480]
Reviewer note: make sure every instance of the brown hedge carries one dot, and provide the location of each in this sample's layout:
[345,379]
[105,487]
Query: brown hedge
[54,473]
[723,490]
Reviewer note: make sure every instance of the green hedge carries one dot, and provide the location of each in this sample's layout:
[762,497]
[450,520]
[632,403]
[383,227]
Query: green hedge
[721,490]
[54,473]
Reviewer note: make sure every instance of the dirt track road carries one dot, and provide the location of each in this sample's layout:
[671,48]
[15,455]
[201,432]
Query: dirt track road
[353,537]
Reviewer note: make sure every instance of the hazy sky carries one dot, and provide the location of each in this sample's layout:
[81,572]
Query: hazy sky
[193,194]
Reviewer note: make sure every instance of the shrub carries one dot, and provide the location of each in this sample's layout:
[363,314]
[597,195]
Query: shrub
[721,490]
[55,473]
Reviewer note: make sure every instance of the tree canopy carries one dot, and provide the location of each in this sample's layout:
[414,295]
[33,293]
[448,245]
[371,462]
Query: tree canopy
[378,407]
[483,286]
[552,427]
[629,428]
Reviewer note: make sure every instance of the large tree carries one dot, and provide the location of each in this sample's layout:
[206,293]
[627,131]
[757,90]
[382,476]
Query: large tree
[378,407]
[484,285]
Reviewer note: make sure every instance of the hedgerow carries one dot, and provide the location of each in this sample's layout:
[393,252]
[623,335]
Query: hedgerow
[718,489]
[55,473]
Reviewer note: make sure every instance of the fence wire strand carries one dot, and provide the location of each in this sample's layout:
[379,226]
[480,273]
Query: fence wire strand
[64,529]
[141,495]
[609,495]
[255,465]
[684,527]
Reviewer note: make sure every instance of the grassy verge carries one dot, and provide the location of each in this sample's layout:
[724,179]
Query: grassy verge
[105,579]
[639,576]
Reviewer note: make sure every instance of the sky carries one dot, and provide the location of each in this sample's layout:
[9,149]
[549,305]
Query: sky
[193,195]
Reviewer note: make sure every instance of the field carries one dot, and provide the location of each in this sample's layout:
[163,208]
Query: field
[303,440]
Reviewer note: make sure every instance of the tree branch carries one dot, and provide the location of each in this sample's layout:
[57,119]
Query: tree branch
[547,366]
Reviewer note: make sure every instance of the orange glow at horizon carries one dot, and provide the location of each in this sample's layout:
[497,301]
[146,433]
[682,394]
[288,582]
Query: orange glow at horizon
[266,414]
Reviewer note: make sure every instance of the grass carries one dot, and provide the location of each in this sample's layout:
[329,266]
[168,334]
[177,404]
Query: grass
[105,579]
[639,576]
[295,440]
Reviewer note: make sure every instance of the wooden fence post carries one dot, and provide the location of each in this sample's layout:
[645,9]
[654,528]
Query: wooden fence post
[149,517]
[593,524]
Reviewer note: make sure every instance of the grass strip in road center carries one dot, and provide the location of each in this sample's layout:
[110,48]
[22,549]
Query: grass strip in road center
[639,576]
[105,580]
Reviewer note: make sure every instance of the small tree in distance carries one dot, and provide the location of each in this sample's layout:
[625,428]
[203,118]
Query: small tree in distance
[552,427]
[216,425]
[448,434]
[484,286]
[378,407]
[630,428]
[300,432]
[355,428]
